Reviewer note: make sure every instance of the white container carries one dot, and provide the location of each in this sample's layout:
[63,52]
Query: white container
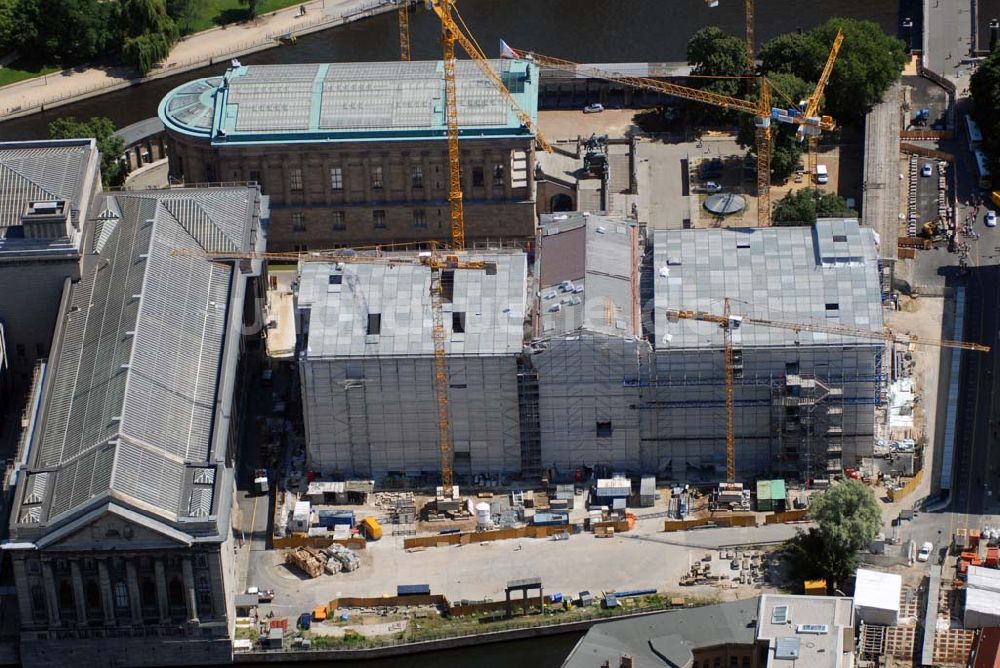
[483,517]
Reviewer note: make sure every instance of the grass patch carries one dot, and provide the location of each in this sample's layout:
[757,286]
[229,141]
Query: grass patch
[214,13]
[24,68]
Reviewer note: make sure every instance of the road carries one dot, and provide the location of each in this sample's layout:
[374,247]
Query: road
[948,35]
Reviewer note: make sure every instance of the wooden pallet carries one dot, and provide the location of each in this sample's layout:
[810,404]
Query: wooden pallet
[952,647]
[899,641]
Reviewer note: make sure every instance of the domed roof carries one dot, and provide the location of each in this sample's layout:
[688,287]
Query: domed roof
[190,107]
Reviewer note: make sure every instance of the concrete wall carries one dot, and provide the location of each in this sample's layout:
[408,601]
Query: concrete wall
[307,197]
[29,304]
[373,416]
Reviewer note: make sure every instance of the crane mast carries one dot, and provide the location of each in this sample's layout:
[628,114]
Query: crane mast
[404,30]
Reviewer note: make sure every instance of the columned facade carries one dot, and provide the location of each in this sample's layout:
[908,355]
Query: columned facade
[173,592]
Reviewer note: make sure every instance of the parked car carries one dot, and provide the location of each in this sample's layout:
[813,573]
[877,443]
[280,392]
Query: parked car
[594,108]
[712,187]
[991,219]
[927,170]
[925,551]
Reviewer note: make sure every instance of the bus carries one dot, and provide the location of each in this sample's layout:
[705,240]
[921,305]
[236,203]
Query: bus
[982,171]
[975,136]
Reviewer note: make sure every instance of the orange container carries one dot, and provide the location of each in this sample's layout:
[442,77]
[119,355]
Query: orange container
[992,557]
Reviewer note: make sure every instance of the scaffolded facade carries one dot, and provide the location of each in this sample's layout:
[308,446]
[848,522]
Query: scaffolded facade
[367,367]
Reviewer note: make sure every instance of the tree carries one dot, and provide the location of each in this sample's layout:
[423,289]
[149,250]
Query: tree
[985,90]
[182,12]
[804,206]
[113,168]
[253,7]
[10,37]
[869,62]
[68,31]
[848,514]
[149,32]
[849,518]
[786,149]
[712,52]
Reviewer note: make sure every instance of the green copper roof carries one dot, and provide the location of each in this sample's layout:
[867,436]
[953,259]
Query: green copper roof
[260,104]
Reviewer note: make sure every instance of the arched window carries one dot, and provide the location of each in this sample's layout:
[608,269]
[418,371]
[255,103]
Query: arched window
[121,596]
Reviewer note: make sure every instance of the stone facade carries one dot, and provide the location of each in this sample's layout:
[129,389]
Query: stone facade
[325,195]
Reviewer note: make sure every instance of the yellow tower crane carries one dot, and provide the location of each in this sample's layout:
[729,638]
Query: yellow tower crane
[748,9]
[729,322]
[404,30]
[811,128]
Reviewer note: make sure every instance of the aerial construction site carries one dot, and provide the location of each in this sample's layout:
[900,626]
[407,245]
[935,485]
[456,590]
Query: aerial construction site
[493,345]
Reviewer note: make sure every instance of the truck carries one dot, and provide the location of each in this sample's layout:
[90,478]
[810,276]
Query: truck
[260,484]
[371,528]
[822,175]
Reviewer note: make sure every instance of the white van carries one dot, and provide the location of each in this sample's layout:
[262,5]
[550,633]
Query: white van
[822,176]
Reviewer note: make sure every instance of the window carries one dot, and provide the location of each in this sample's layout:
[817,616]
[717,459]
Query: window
[779,615]
[420,219]
[458,322]
[65,597]
[498,174]
[175,594]
[38,609]
[374,324]
[336,279]
[210,173]
[477,177]
[40,349]
[840,237]
[733,662]
[336,178]
[254,175]
[92,594]
[295,180]
[204,596]
[121,596]
[377,183]
[378,219]
[417,176]
[298,222]
[339,221]
[200,560]
[603,429]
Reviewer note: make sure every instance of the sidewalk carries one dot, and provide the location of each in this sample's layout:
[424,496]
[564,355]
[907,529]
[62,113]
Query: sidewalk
[198,50]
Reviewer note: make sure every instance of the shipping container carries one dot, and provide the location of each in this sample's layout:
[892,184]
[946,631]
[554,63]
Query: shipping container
[413,590]
[331,518]
[550,519]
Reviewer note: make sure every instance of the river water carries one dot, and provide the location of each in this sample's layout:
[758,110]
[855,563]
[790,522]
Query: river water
[595,31]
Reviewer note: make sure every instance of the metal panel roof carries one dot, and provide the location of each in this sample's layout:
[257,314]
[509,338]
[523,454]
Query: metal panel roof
[44,170]
[827,274]
[349,102]
[131,403]
[493,306]
[589,275]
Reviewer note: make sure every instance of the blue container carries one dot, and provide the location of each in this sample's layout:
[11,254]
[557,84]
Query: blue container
[331,518]
[555,598]
[305,621]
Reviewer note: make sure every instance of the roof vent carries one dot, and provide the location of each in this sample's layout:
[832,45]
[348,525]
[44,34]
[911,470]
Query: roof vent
[45,219]
[601,229]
